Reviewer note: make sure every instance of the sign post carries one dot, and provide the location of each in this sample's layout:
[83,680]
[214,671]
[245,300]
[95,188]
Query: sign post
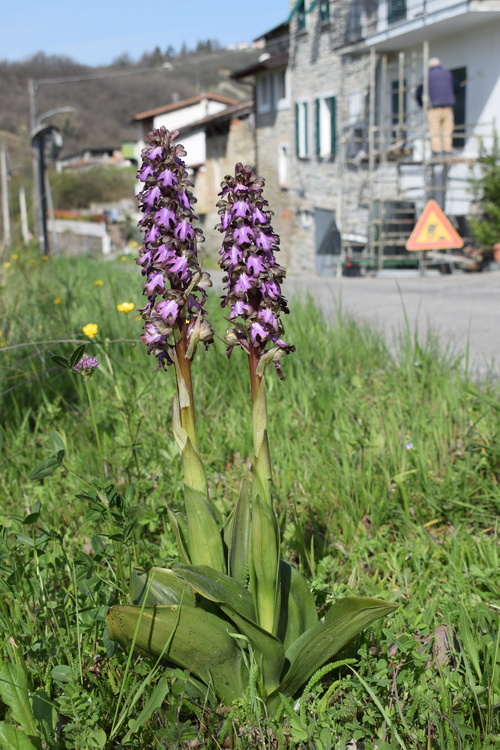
[433,231]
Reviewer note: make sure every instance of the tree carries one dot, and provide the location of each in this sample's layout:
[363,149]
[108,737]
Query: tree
[485,186]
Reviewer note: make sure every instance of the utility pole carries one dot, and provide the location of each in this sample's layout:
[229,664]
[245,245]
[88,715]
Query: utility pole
[5,197]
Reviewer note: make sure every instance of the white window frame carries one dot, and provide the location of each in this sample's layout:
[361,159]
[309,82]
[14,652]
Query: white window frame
[324,134]
[303,128]
[264,93]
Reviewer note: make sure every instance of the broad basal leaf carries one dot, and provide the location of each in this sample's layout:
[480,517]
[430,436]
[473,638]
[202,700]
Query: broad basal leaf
[160,586]
[204,539]
[218,587]
[178,523]
[298,609]
[264,564]
[319,644]
[189,637]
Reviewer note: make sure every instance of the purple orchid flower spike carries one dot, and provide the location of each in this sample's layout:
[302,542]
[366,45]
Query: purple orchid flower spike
[253,290]
[169,258]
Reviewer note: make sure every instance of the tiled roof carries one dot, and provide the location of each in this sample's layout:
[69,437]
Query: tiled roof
[184,103]
[224,114]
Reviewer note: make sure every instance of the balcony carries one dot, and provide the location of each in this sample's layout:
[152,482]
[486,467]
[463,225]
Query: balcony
[399,24]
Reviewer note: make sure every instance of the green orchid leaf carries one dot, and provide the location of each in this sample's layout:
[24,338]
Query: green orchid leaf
[239,538]
[298,608]
[218,588]
[346,619]
[204,539]
[178,523]
[268,650]
[237,603]
[190,638]
[264,566]
[160,586]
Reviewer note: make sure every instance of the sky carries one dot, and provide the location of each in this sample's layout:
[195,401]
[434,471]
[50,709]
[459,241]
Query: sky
[95,32]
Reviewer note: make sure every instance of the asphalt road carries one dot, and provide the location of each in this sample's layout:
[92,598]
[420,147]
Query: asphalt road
[462,309]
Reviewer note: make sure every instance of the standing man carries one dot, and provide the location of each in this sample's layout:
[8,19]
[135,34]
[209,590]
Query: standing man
[442,96]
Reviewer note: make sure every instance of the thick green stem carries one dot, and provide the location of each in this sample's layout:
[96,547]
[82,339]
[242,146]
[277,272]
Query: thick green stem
[262,459]
[194,474]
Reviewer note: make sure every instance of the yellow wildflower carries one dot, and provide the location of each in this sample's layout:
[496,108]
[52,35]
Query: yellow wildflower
[123,258]
[125,307]
[45,257]
[57,300]
[138,317]
[7,265]
[15,256]
[98,282]
[133,244]
[90,330]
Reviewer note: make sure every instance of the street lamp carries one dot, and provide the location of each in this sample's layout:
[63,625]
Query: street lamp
[41,136]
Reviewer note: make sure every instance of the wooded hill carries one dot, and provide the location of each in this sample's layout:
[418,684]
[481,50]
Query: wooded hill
[106,103]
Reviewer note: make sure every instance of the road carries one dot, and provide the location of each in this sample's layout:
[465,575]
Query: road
[462,309]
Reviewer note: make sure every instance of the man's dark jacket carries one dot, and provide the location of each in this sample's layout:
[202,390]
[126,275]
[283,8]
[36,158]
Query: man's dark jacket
[442,88]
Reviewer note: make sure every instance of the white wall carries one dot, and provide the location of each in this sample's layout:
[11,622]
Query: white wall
[479,51]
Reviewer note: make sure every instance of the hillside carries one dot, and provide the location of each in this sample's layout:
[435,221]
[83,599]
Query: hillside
[106,104]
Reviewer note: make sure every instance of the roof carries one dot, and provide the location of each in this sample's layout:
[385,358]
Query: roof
[280,30]
[184,103]
[241,108]
[276,61]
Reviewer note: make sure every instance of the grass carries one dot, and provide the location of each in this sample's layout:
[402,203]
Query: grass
[386,476]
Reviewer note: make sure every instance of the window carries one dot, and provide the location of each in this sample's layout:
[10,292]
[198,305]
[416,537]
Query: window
[281,89]
[398,111]
[396,11]
[326,135]
[264,93]
[283,177]
[302,129]
[324,11]
[460,76]
[301,16]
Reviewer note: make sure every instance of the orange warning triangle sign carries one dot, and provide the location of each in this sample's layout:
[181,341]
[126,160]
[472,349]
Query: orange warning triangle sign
[433,231]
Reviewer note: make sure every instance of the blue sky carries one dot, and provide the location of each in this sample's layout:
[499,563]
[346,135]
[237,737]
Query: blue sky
[95,32]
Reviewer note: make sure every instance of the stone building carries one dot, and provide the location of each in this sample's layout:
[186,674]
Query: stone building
[273,117]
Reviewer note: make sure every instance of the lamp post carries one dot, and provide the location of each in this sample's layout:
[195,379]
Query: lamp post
[41,136]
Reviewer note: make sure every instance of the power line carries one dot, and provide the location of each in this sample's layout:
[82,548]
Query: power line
[137,71]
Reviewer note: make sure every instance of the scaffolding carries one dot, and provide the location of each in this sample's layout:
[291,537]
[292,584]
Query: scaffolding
[386,167]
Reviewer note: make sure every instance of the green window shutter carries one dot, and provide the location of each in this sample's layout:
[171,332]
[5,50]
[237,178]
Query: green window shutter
[332,106]
[297,130]
[318,126]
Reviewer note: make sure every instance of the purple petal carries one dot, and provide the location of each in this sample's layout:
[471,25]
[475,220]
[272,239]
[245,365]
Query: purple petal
[165,217]
[168,310]
[168,178]
[154,153]
[243,235]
